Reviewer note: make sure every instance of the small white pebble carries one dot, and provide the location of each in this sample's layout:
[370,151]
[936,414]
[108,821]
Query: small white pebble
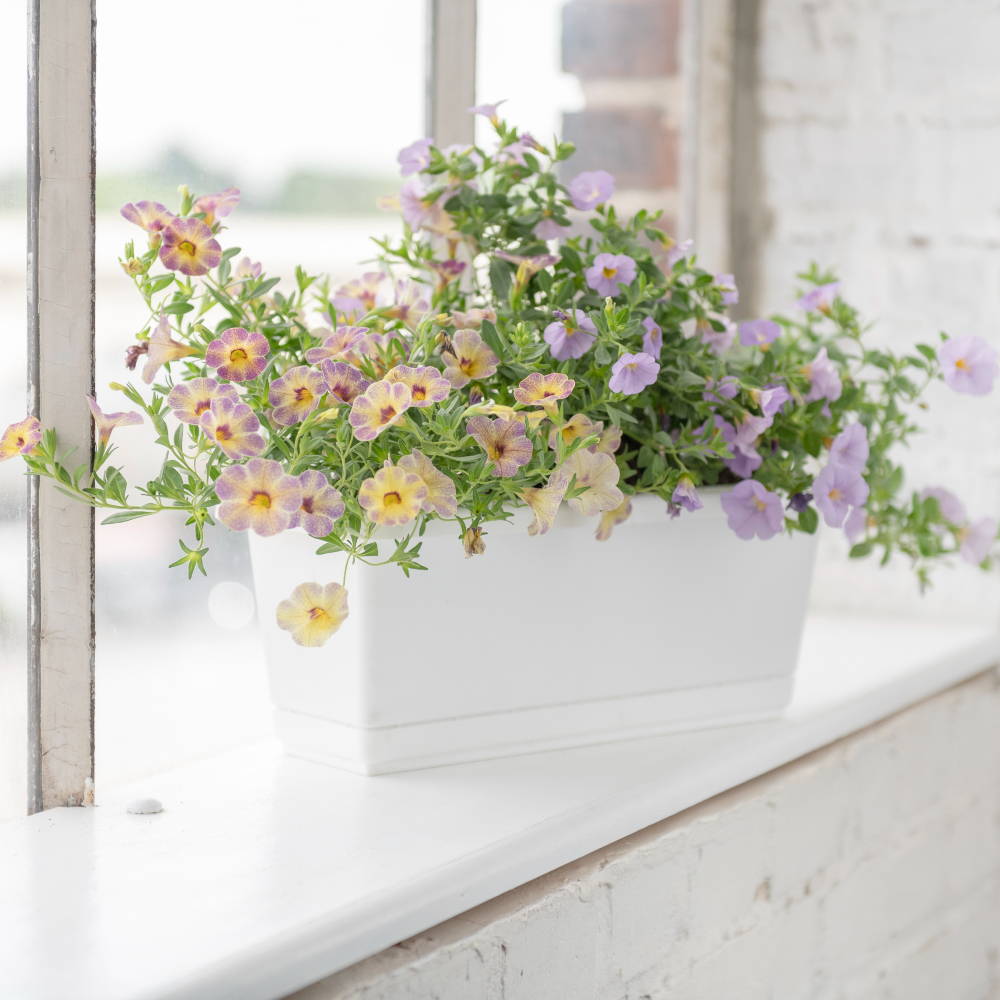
[144,807]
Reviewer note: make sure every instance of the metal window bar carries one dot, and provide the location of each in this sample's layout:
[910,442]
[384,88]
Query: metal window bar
[61,168]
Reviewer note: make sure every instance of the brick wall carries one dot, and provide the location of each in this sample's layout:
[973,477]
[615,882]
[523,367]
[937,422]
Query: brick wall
[868,870]
[879,135]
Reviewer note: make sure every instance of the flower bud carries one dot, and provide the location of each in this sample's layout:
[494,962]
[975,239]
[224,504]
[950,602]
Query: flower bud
[473,542]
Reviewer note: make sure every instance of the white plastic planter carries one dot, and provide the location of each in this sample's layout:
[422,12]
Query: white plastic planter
[542,642]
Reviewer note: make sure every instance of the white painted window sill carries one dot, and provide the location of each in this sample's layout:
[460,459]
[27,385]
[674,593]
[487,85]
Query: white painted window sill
[265,874]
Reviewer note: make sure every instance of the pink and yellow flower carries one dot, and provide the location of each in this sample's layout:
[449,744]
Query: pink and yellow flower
[217,206]
[189,400]
[394,496]
[295,395]
[237,354]
[358,296]
[577,426]
[503,441]
[380,406]
[105,423]
[344,383]
[544,502]
[21,438]
[233,426]
[610,519]
[321,505]
[148,215]
[189,247]
[313,613]
[427,385]
[161,350]
[259,495]
[470,359]
[410,305]
[441,497]
[543,390]
[598,474]
[342,345]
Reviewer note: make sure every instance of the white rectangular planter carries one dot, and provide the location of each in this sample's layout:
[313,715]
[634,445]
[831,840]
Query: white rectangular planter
[542,642]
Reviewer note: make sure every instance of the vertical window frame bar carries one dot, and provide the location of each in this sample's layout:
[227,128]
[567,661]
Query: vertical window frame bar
[451,71]
[61,177]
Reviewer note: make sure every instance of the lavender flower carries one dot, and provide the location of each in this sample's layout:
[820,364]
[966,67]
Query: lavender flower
[837,490]
[685,495]
[952,509]
[726,284]
[856,525]
[759,332]
[609,271]
[753,510]
[718,341]
[976,539]
[771,399]
[824,379]
[570,336]
[415,157]
[652,339]
[592,187]
[717,391]
[632,373]
[969,365]
[850,448]
[321,505]
[820,298]
[799,502]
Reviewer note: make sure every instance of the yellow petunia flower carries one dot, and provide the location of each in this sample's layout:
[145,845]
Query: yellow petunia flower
[313,613]
[394,496]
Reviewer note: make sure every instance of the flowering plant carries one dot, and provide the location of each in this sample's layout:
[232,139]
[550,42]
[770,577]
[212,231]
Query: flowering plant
[522,344]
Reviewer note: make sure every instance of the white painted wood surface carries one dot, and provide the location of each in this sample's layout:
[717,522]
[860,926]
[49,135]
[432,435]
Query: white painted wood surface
[451,73]
[263,873]
[61,321]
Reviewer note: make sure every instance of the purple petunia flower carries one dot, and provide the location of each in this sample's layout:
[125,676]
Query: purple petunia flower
[772,398]
[824,379]
[685,495]
[726,284]
[727,387]
[415,157]
[759,332]
[718,341]
[753,510]
[321,505]
[820,298]
[548,229]
[850,448]
[610,270]
[570,336]
[837,490]
[489,111]
[632,373]
[652,339]
[799,502]
[969,365]
[677,251]
[952,509]
[977,539]
[592,187]
[746,459]
[856,524]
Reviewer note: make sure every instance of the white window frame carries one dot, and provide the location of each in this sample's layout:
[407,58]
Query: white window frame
[61,186]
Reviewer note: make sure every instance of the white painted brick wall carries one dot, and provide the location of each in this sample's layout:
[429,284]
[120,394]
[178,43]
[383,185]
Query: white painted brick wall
[869,870]
[880,143]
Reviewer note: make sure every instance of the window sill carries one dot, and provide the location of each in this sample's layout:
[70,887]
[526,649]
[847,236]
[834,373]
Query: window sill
[265,874]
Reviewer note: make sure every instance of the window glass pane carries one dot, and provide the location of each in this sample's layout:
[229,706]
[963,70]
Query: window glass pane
[13,383]
[301,113]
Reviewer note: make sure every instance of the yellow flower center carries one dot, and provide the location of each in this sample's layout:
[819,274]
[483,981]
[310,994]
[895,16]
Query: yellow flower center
[201,406]
[303,395]
[237,354]
[835,494]
[386,414]
[961,364]
[609,272]
[759,504]
[19,442]
[260,499]
[317,613]
[418,391]
[391,499]
[187,247]
[307,504]
[497,450]
[223,433]
[467,365]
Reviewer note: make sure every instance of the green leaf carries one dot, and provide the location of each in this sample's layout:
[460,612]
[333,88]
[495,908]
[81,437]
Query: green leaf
[809,520]
[501,278]
[127,515]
